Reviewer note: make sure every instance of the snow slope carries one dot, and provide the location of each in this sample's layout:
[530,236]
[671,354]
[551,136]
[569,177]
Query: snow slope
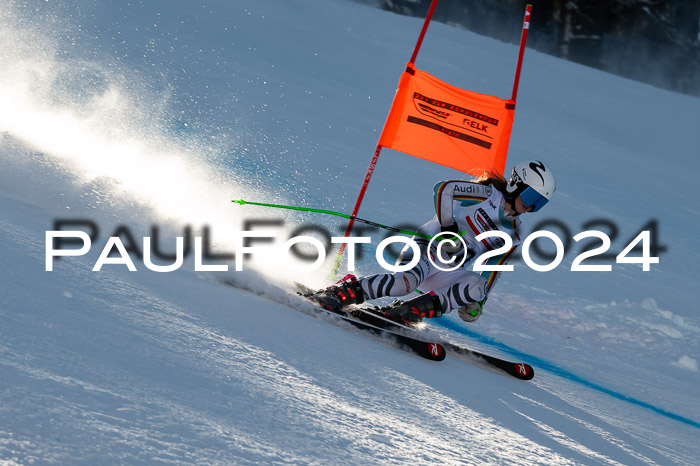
[160,113]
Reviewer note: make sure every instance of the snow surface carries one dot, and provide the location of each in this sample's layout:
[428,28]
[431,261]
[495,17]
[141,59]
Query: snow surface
[160,113]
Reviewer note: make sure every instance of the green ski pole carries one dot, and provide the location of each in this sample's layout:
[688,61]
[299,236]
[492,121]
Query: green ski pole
[337,214]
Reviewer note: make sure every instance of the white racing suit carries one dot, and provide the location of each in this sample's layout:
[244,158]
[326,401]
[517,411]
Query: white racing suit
[476,209]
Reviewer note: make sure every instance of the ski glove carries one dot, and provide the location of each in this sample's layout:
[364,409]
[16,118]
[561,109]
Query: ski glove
[451,228]
[448,238]
[472,311]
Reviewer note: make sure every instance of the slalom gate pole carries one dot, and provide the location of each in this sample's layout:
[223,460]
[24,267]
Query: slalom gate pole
[337,214]
[523,39]
[428,17]
[377,151]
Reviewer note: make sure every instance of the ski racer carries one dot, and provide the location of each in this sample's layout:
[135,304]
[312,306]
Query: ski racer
[467,209]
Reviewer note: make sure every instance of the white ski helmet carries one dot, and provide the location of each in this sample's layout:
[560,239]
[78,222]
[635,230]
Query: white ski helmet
[533,182]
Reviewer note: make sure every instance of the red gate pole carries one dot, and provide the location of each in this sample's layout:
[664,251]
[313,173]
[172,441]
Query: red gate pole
[428,17]
[523,39]
[377,151]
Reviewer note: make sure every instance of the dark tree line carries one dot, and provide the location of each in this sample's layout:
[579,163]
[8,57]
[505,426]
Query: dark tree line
[653,41]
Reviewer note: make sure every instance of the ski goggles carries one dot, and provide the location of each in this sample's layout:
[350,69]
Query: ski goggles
[532,198]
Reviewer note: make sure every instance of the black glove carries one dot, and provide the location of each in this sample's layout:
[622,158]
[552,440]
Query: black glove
[449,237]
[451,228]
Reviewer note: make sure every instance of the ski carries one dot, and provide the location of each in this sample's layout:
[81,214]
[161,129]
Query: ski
[376,318]
[372,320]
[433,351]
[518,370]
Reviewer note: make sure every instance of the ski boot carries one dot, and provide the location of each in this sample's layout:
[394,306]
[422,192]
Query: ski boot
[414,310]
[344,293]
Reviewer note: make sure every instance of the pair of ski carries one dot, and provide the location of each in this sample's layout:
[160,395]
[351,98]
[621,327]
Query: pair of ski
[368,319]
